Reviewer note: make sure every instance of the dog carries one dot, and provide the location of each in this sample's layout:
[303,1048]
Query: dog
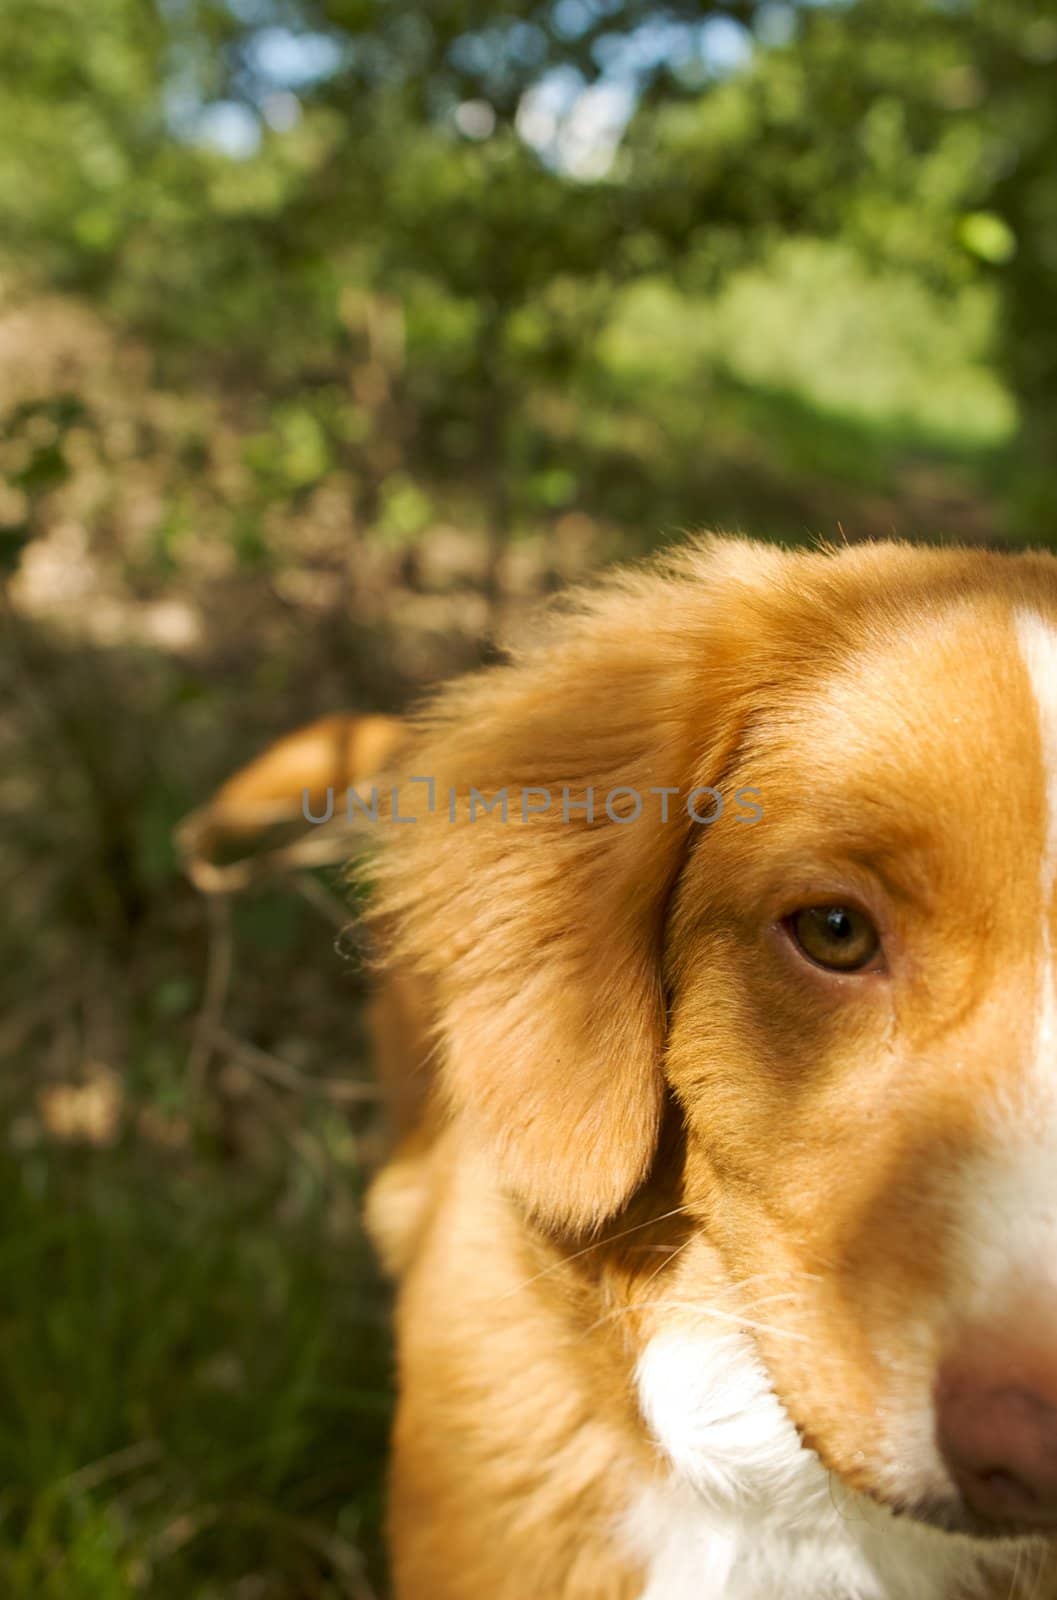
[717,935]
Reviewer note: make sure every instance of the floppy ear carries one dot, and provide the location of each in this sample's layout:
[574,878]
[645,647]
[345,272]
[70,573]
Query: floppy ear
[541,932]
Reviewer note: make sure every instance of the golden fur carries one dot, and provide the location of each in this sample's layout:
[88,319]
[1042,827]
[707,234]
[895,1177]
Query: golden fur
[631,1096]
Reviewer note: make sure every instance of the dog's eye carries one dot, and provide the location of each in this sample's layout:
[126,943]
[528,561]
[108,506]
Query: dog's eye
[836,937]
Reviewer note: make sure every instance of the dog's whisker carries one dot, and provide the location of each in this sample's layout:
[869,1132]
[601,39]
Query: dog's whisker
[741,1284]
[674,1251]
[596,1244]
[841,1499]
[1039,1556]
[697,1308]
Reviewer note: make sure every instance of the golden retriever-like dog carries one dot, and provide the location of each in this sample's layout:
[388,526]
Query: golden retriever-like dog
[720,1010]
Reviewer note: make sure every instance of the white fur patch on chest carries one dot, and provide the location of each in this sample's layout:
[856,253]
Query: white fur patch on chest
[750,1514]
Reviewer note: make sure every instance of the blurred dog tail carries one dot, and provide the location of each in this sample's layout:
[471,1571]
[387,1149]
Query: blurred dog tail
[230,843]
[265,818]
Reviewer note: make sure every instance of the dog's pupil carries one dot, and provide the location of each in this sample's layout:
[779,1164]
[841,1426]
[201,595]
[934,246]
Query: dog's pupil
[838,923]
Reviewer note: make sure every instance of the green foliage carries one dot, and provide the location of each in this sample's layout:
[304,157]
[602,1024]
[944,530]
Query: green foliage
[914,133]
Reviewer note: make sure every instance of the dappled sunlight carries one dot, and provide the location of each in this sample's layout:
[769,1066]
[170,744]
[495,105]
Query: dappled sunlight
[335,341]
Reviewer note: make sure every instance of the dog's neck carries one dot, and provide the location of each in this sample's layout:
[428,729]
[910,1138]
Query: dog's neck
[749,1512]
[741,1506]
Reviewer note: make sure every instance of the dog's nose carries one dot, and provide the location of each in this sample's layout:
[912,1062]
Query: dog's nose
[996,1426]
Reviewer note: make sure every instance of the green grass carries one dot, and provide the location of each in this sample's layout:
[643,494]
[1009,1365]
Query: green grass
[193,1392]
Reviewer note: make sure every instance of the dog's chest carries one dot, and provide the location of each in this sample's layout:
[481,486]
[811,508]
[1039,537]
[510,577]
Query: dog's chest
[747,1513]
[692,1552]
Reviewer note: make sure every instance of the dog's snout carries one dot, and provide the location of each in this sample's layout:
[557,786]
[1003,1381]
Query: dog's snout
[996,1426]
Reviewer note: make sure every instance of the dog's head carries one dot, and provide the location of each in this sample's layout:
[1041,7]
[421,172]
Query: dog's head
[845,983]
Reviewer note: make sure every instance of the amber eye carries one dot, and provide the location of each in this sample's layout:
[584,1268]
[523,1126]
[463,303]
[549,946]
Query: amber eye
[837,937]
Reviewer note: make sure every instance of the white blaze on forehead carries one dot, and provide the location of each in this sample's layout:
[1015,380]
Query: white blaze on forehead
[1002,1200]
[1006,1199]
[1038,646]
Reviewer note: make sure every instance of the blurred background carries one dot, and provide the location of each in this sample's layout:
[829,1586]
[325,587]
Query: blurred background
[334,336]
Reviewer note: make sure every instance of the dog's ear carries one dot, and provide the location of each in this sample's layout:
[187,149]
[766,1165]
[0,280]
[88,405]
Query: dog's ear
[541,930]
